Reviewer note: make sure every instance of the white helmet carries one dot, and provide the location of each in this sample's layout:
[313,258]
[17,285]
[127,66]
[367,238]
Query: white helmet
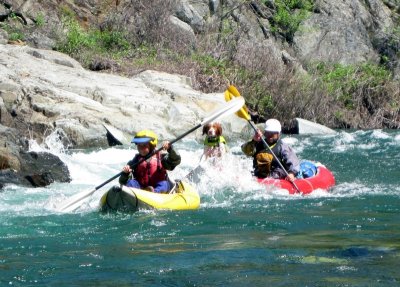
[273,125]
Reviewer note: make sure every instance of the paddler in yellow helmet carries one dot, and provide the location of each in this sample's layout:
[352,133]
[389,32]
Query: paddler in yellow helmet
[150,173]
[264,163]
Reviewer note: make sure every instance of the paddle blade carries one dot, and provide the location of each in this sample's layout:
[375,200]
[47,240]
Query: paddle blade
[232,89]
[74,201]
[232,107]
[116,136]
[232,93]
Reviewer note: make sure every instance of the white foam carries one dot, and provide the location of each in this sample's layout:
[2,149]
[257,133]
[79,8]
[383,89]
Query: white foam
[379,134]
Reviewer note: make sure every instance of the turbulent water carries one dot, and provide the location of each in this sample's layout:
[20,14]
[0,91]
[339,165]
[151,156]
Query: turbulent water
[243,234]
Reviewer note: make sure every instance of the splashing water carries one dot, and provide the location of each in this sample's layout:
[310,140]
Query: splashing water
[220,184]
[243,234]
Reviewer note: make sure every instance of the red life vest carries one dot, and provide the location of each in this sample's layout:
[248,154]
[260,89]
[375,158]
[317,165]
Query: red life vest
[149,172]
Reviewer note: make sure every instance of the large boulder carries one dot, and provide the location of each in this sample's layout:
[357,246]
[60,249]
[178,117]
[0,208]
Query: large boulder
[43,168]
[43,92]
[47,90]
[22,167]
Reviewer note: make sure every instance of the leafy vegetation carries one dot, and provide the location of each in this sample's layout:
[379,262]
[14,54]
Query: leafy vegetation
[210,65]
[344,82]
[39,20]
[289,15]
[14,33]
[362,88]
[85,45]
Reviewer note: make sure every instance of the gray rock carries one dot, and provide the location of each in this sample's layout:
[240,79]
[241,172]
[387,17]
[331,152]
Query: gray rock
[43,92]
[188,14]
[341,32]
[17,166]
[308,127]
[41,169]
[3,37]
[10,176]
[185,31]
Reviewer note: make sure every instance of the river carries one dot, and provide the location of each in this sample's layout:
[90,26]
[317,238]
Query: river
[243,234]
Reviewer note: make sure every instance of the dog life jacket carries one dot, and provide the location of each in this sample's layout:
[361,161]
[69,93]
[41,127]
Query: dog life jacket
[149,172]
[213,142]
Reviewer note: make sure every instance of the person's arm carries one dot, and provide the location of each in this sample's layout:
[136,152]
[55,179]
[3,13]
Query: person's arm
[290,160]
[172,158]
[123,179]
[126,173]
[250,147]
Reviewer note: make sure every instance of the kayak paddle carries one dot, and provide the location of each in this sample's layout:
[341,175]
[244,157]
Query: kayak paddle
[232,93]
[75,201]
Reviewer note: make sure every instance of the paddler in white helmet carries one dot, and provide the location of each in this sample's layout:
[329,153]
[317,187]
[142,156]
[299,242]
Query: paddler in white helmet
[264,162]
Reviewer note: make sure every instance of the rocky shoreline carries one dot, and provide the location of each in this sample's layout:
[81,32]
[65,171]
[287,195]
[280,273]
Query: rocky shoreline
[43,92]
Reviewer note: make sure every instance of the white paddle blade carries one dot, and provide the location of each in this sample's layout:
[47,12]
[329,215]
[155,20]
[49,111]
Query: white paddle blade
[118,135]
[74,201]
[232,107]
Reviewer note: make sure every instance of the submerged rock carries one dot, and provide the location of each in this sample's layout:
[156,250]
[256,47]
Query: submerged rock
[43,168]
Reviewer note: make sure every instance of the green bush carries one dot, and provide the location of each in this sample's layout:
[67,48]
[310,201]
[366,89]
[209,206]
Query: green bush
[15,36]
[78,42]
[354,85]
[14,33]
[289,14]
[209,64]
[39,20]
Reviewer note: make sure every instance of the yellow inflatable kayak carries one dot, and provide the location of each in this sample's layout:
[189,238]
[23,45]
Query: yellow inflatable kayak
[182,197]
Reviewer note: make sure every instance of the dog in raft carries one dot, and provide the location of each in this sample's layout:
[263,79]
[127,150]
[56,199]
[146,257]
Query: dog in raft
[214,143]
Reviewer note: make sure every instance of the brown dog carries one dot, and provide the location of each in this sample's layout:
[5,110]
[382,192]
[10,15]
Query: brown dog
[214,142]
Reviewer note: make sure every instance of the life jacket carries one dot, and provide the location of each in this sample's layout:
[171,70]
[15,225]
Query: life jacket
[265,162]
[149,172]
[214,142]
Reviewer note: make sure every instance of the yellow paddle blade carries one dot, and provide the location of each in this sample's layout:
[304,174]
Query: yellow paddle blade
[231,93]
[232,89]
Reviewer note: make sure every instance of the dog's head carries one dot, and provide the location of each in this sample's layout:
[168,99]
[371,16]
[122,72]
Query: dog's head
[212,130]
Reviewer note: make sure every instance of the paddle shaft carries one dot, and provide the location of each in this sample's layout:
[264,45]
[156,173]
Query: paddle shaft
[107,181]
[277,159]
[185,134]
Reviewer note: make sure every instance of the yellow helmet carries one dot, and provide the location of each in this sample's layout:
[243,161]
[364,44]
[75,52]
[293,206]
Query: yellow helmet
[145,136]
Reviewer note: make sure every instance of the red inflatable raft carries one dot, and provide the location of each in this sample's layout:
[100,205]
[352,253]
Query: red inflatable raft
[324,179]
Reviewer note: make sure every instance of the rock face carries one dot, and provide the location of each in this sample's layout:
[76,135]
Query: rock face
[44,91]
[343,32]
